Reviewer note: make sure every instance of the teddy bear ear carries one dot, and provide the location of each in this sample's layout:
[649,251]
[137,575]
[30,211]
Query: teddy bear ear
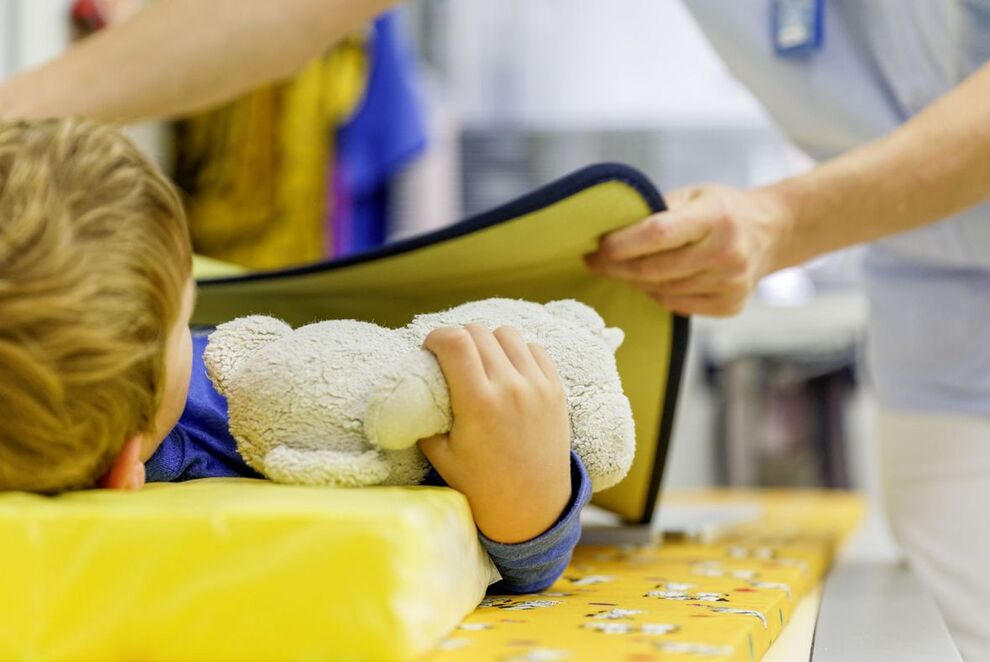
[233,342]
[578,313]
[587,317]
[614,336]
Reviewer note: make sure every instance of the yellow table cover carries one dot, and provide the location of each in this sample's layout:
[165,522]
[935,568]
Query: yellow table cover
[230,569]
[726,601]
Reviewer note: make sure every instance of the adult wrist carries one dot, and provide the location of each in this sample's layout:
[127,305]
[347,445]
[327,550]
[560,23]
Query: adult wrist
[782,203]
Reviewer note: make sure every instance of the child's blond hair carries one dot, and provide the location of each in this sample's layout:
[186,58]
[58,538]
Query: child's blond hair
[94,257]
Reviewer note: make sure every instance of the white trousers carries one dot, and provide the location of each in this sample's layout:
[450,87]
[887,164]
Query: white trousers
[936,479]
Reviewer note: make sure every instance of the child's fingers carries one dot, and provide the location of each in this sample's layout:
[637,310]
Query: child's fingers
[438,451]
[543,361]
[517,352]
[493,357]
[459,361]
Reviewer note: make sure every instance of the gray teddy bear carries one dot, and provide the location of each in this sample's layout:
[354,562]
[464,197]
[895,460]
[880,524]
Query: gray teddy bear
[343,402]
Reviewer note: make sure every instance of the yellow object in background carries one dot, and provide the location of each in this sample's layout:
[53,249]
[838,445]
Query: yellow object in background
[254,171]
[236,569]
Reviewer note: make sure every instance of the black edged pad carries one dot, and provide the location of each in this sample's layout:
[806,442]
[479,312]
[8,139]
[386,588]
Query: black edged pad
[530,248]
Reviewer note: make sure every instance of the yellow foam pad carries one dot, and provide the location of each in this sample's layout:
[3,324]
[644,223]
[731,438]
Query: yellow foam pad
[227,569]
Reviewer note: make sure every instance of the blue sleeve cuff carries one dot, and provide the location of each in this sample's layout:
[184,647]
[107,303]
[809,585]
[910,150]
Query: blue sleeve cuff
[165,465]
[532,566]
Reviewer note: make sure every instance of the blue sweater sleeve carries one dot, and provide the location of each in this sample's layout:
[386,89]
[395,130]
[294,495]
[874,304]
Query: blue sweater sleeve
[200,445]
[532,566]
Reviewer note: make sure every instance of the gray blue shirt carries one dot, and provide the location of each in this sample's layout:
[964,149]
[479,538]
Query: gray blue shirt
[881,63]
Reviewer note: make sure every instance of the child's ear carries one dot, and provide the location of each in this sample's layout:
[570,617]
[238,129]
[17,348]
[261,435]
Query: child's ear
[232,343]
[127,470]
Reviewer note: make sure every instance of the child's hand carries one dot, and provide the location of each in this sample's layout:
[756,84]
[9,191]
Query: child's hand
[509,448]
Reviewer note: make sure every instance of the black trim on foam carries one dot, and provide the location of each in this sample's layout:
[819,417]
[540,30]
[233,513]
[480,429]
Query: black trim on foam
[542,197]
[675,369]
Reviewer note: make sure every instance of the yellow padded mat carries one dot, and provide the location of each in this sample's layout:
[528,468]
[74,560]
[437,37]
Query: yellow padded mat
[722,602]
[230,569]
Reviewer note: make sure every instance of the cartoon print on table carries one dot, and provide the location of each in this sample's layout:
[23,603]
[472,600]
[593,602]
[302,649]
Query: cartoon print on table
[453,644]
[687,648]
[590,580]
[539,655]
[708,569]
[610,627]
[741,612]
[627,554]
[780,586]
[509,604]
[615,614]
[659,628]
[662,592]
[613,627]
[739,552]
[792,563]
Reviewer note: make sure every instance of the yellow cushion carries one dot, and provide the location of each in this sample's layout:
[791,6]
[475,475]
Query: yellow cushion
[236,569]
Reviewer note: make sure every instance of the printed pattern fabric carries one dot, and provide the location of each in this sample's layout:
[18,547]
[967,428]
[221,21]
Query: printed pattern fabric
[725,602]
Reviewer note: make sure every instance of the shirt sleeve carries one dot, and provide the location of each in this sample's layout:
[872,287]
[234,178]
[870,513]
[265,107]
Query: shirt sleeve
[200,445]
[534,565]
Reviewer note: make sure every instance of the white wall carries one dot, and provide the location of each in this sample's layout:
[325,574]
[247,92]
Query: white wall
[35,31]
[42,29]
[588,63]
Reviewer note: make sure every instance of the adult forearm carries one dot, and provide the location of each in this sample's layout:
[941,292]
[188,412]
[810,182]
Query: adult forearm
[933,166]
[178,56]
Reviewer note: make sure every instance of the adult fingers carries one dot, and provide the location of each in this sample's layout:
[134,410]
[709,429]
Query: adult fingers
[706,283]
[709,305]
[664,231]
[655,268]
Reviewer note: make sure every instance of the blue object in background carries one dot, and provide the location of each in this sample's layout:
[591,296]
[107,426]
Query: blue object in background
[386,132]
[797,26]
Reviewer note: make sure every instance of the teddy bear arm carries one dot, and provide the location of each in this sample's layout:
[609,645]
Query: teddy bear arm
[296,466]
[410,403]
[604,437]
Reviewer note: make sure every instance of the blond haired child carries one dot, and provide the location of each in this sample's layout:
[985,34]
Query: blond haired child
[102,384]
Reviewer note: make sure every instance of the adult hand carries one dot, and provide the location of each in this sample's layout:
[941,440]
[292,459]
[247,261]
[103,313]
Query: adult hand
[702,256]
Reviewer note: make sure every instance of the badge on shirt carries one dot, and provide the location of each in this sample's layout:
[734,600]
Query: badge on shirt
[797,26]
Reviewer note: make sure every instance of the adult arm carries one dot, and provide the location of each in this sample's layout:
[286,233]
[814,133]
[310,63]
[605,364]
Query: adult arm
[178,56]
[706,254]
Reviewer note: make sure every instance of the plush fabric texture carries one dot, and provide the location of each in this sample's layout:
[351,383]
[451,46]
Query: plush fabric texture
[343,402]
